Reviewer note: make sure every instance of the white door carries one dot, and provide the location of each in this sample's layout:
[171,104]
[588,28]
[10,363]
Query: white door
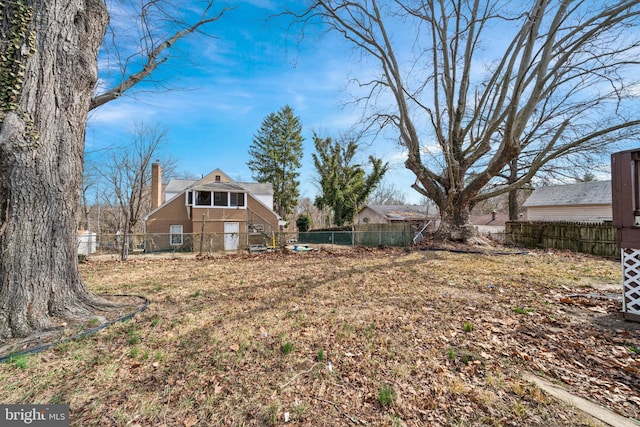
[231,236]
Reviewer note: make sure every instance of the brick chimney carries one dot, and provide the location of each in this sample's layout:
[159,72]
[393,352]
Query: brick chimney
[156,185]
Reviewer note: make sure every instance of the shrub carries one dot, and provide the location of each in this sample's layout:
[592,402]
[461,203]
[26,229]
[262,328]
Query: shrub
[303,223]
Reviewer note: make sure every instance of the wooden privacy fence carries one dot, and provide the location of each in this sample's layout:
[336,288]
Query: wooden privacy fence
[395,234]
[594,239]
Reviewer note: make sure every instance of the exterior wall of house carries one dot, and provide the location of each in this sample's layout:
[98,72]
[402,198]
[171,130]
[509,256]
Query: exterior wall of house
[593,213]
[176,213]
[259,212]
[264,198]
[214,219]
[158,226]
[372,217]
[173,213]
[212,177]
[214,227]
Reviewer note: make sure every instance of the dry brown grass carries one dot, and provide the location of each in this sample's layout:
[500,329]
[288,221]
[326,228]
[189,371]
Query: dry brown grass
[363,337]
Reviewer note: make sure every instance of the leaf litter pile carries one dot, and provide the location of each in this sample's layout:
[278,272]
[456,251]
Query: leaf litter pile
[358,337]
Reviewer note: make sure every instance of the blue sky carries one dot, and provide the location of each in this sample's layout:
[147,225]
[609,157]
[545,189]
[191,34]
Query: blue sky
[224,87]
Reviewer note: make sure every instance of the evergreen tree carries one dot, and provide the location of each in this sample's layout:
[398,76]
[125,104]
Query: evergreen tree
[345,185]
[275,154]
[303,223]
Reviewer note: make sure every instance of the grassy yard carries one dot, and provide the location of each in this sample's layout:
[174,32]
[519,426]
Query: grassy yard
[361,337]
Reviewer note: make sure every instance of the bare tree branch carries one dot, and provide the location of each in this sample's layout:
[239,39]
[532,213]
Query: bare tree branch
[154,53]
[561,84]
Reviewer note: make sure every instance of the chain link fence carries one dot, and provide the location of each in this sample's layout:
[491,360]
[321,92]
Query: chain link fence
[209,243]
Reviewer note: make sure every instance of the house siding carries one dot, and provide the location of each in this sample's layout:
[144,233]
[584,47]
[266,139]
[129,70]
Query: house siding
[214,219]
[211,220]
[373,217]
[173,213]
[177,213]
[211,177]
[263,212]
[591,214]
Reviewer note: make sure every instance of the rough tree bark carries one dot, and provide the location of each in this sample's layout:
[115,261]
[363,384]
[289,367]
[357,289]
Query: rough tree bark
[48,72]
[49,58]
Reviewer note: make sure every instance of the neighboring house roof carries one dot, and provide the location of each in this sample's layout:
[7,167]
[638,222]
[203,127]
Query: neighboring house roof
[402,212]
[580,194]
[487,219]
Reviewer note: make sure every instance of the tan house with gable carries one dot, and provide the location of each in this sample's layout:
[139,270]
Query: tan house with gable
[387,214]
[230,215]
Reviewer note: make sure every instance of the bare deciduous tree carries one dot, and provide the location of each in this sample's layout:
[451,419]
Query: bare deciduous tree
[131,55]
[559,82]
[387,193]
[126,174]
[89,182]
[48,70]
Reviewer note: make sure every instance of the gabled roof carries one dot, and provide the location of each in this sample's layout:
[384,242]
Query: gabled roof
[217,173]
[580,194]
[208,183]
[178,185]
[403,212]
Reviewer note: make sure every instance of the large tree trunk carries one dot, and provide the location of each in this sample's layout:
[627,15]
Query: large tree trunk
[513,194]
[42,130]
[513,205]
[455,225]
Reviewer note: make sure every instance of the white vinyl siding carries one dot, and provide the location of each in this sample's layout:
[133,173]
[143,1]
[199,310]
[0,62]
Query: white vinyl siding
[593,213]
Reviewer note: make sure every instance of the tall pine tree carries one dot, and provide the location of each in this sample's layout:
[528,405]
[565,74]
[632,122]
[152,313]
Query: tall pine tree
[345,185]
[276,153]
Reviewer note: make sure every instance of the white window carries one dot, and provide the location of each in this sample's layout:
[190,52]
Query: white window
[175,235]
